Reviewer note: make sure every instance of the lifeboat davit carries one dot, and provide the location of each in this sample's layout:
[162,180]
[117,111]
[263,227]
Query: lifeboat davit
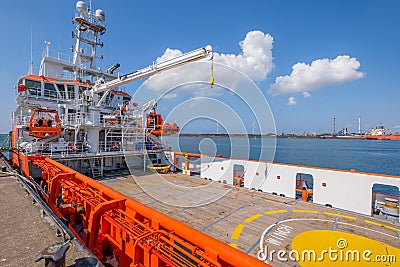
[155,123]
[44,123]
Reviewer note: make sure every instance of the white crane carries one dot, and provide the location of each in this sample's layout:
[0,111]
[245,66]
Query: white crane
[101,86]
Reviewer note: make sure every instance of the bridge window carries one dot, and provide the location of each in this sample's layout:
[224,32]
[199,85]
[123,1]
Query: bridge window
[82,89]
[34,87]
[126,99]
[50,90]
[61,89]
[70,91]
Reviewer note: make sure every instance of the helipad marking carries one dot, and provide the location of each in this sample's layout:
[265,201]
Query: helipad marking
[305,211]
[233,245]
[237,231]
[343,242]
[275,211]
[340,215]
[373,223]
[382,225]
[252,218]
[391,228]
[343,223]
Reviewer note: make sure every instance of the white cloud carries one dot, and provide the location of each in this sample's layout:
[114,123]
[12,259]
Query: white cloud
[255,61]
[320,73]
[170,96]
[169,54]
[256,58]
[306,95]
[291,101]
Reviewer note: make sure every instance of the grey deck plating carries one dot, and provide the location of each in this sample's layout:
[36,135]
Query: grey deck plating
[241,216]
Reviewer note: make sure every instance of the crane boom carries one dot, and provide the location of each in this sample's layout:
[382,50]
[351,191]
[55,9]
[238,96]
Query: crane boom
[151,70]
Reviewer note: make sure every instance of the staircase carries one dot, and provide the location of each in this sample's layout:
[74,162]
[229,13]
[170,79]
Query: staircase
[96,167]
[5,144]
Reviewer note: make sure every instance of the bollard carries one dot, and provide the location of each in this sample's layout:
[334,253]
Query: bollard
[54,255]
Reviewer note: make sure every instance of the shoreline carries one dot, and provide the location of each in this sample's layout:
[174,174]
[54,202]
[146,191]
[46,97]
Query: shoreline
[272,136]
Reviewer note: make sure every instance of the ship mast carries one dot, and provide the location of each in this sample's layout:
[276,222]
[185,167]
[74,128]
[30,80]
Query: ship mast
[89,26]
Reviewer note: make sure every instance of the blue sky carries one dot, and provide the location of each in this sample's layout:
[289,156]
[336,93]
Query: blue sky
[349,50]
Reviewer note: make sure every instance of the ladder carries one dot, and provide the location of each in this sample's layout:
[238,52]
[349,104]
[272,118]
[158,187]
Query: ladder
[96,167]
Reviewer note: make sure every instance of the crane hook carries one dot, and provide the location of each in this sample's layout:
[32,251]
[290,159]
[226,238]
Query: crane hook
[212,72]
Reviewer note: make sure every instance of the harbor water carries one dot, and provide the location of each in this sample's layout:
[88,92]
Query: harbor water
[375,156]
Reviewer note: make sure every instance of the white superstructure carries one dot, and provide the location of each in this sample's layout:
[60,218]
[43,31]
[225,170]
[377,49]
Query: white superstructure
[98,121]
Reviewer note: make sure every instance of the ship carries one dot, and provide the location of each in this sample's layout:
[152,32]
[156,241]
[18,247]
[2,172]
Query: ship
[76,134]
[380,133]
[70,109]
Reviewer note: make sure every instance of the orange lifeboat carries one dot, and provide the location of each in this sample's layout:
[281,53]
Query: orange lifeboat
[44,123]
[155,123]
[158,127]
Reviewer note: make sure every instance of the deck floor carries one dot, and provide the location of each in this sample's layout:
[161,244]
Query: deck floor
[239,216]
[24,232]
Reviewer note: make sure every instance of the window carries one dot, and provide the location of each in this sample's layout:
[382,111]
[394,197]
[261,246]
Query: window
[61,89]
[34,87]
[82,89]
[50,90]
[70,91]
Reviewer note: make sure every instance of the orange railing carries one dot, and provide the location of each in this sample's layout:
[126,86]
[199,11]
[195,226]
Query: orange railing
[105,220]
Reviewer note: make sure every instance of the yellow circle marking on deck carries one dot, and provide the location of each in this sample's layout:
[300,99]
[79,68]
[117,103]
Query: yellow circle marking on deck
[275,211]
[305,211]
[382,225]
[237,231]
[334,248]
[340,215]
[252,218]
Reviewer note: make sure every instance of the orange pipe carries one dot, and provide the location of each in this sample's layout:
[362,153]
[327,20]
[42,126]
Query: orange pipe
[213,247]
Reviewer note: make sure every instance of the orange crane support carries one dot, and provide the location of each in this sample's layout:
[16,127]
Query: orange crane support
[137,235]
[187,158]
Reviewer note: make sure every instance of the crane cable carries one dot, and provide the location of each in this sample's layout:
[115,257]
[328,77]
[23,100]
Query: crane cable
[212,72]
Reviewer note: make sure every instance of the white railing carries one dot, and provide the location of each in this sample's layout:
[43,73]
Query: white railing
[55,148]
[21,120]
[81,119]
[75,119]
[57,55]
[128,146]
[50,95]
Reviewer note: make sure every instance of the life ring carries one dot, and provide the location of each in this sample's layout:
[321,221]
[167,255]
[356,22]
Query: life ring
[73,147]
[115,146]
[112,121]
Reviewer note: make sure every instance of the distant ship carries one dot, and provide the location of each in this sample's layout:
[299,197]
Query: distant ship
[379,133]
